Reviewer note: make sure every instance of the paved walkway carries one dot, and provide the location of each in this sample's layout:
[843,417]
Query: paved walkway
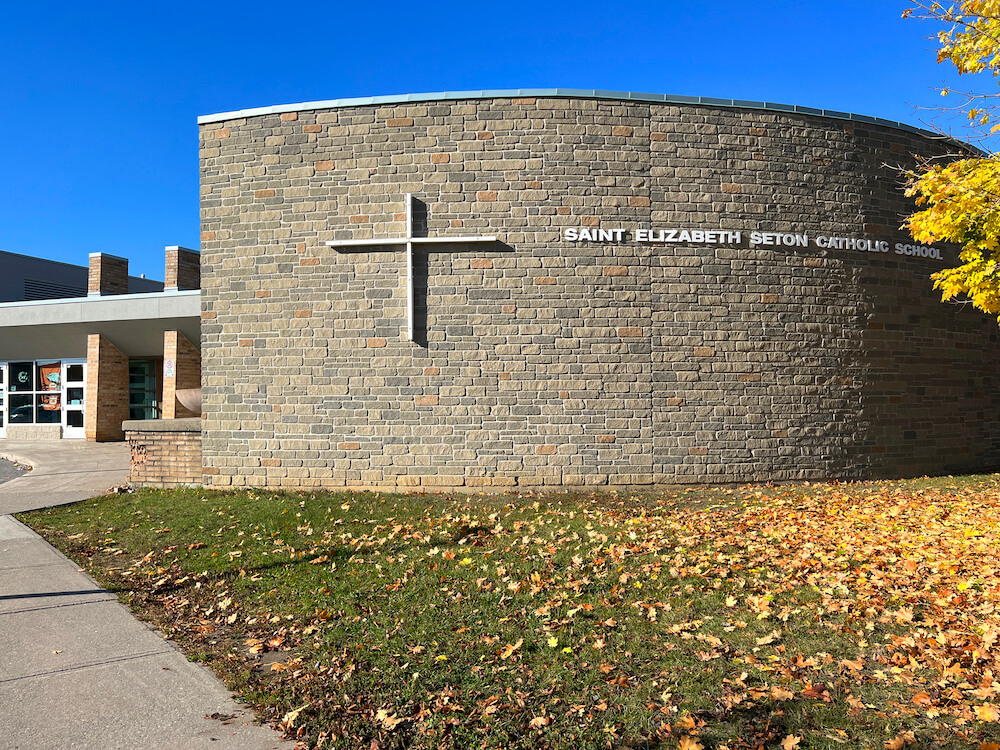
[9,470]
[77,670]
[63,471]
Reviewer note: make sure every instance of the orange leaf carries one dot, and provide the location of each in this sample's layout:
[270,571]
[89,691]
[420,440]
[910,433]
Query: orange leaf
[686,723]
[509,649]
[922,699]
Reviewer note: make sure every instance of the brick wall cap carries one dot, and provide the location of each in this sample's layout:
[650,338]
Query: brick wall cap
[107,255]
[188,424]
[181,248]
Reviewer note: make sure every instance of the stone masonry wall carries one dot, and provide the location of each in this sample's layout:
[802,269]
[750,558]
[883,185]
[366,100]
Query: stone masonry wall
[546,362]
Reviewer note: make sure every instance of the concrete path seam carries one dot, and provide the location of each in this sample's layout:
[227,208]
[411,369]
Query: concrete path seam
[88,665]
[57,606]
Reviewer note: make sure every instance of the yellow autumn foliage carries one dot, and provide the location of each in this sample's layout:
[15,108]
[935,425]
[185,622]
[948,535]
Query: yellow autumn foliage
[959,201]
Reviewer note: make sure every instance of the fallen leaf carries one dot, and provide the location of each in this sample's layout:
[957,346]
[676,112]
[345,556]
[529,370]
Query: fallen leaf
[291,717]
[987,712]
[507,651]
[687,722]
[817,691]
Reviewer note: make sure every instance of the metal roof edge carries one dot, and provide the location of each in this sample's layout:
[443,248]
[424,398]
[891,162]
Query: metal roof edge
[575,94]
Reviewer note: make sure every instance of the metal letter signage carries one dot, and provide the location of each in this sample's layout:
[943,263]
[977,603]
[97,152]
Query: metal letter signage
[757,238]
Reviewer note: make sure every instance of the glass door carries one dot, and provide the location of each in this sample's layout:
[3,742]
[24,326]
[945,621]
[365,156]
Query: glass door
[3,399]
[143,389]
[74,378]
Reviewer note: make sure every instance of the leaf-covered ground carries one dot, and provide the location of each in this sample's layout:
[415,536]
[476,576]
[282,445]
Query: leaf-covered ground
[814,616]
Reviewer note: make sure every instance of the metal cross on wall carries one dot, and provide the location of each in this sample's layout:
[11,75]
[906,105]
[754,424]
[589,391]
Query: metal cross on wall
[409,241]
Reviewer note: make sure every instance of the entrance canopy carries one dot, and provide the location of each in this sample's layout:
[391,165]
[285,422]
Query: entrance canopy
[134,322]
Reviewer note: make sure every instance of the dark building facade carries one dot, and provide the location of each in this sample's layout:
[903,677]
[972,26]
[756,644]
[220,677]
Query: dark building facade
[585,288]
[25,278]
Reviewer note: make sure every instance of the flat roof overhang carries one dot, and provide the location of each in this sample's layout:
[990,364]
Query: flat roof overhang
[58,329]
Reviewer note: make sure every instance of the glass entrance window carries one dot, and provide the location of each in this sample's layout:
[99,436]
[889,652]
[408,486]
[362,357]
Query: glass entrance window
[44,392]
[35,391]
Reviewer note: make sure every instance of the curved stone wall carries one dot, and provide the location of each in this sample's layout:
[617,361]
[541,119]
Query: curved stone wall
[543,360]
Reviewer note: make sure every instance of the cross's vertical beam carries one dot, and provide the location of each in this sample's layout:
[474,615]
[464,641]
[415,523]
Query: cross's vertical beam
[411,244]
[409,267]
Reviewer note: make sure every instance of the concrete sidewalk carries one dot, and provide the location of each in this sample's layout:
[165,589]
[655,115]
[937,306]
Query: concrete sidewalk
[63,471]
[77,670]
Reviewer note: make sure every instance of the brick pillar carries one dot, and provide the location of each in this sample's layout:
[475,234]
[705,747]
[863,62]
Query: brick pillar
[183,269]
[106,402]
[108,275]
[181,370]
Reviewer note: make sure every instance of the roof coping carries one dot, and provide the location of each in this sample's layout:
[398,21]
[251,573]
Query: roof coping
[570,93]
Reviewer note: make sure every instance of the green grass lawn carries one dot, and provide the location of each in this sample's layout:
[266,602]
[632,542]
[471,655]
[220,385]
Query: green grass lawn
[816,616]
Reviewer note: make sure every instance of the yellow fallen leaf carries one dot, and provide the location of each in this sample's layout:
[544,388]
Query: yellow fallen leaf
[791,742]
[987,712]
[690,743]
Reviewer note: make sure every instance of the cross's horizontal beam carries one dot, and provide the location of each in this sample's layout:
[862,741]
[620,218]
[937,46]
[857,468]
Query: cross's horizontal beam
[407,243]
[414,240]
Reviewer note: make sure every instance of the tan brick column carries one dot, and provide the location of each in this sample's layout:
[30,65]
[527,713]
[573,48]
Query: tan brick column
[107,390]
[183,268]
[108,274]
[185,359]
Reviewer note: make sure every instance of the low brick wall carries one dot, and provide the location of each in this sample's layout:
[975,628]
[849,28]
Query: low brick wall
[165,452]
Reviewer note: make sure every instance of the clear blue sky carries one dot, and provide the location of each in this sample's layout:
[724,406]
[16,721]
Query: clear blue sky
[100,99]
